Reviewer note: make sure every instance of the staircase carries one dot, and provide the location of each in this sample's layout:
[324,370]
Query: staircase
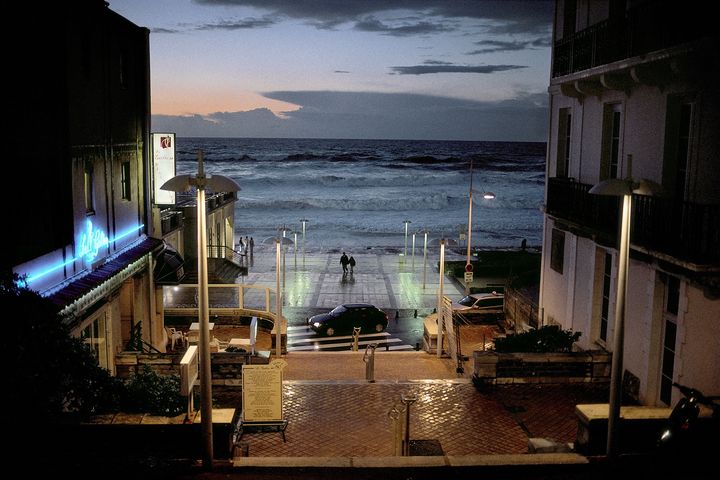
[220,270]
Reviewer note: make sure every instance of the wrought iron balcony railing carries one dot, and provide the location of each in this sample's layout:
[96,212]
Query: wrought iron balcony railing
[651,26]
[684,230]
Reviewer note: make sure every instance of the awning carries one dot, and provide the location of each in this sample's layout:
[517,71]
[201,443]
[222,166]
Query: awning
[169,267]
[87,289]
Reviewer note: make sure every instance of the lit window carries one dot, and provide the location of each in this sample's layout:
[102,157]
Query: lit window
[125,181]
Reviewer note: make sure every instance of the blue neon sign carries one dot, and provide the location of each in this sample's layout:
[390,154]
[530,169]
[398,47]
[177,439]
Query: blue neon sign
[91,241]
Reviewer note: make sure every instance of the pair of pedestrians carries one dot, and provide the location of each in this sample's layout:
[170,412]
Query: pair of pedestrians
[345,261]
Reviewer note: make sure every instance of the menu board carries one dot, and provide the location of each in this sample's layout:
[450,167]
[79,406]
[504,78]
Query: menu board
[262,393]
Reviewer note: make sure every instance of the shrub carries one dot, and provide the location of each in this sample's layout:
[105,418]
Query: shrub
[549,338]
[147,391]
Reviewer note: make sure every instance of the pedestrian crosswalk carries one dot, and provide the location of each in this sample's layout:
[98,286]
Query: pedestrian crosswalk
[302,338]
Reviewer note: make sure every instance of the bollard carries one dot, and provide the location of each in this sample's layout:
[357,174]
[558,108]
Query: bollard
[397,314]
[395,415]
[369,359]
[356,337]
[407,400]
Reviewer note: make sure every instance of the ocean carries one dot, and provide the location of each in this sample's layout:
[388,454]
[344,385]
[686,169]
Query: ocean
[356,194]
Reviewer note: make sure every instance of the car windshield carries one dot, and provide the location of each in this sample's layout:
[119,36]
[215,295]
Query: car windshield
[467,301]
[338,310]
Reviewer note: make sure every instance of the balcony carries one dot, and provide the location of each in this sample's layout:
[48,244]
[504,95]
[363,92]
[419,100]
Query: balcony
[650,27]
[171,220]
[687,231]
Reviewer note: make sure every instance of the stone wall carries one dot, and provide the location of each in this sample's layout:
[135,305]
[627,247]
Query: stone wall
[500,368]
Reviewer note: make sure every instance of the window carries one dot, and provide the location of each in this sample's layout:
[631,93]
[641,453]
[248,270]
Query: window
[124,76]
[94,334]
[683,150]
[88,188]
[672,302]
[126,185]
[557,250]
[612,130]
[605,307]
[563,145]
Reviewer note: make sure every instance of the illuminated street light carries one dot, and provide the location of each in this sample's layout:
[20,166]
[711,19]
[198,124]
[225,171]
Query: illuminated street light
[440,299]
[425,233]
[278,300]
[217,183]
[620,188]
[303,221]
[486,196]
[413,252]
[406,222]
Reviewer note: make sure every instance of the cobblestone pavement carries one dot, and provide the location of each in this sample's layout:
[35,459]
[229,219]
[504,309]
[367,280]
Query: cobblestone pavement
[351,419]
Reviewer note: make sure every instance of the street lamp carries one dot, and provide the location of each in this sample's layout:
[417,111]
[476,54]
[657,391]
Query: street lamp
[620,188]
[278,300]
[303,221]
[424,232]
[413,252]
[440,299]
[406,222]
[486,196]
[217,183]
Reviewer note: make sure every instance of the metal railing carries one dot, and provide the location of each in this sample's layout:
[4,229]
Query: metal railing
[649,27]
[685,230]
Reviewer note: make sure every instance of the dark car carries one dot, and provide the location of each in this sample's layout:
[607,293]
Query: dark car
[343,318]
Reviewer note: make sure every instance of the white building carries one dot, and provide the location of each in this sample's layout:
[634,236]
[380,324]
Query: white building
[635,92]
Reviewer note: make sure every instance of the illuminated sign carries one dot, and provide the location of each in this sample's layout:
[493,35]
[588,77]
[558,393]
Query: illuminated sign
[163,166]
[91,241]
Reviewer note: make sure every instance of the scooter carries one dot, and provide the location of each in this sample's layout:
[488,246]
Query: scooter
[688,435]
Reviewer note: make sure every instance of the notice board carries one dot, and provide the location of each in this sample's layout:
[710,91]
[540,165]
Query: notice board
[262,399]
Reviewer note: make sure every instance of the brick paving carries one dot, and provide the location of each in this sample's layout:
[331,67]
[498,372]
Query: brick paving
[351,419]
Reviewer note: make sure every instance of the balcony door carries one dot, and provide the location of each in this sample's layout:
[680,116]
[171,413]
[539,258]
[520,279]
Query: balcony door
[612,142]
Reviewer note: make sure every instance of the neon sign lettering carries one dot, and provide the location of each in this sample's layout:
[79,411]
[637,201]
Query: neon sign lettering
[91,241]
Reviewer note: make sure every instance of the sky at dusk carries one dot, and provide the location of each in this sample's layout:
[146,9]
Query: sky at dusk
[390,69]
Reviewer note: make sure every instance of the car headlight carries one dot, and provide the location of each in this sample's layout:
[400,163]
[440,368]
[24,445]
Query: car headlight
[316,324]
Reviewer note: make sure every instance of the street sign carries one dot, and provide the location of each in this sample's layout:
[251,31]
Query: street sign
[468,277]
[468,267]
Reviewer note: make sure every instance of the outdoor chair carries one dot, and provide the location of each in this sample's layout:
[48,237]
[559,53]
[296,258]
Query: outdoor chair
[175,335]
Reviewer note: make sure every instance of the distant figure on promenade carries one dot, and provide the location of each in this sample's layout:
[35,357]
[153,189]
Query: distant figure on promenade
[344,262]
[352,264]
[523,245]
[240,245]
[252,245]
[247,244]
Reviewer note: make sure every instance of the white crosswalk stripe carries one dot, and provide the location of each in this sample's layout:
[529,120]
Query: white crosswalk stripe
[302,338]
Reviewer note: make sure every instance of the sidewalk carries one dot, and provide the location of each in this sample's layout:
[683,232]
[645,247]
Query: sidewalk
[333,412]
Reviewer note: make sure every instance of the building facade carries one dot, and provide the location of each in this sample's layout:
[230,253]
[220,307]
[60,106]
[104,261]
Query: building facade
[80,112]
[634,93]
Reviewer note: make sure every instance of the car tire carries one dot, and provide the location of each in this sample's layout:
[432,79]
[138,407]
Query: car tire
[379,327]
[330,331]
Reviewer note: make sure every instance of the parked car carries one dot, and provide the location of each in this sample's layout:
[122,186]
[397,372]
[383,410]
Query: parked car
[481,304]
[344,317]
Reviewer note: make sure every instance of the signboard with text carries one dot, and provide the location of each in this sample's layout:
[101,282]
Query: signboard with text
[262,393]
[163,155]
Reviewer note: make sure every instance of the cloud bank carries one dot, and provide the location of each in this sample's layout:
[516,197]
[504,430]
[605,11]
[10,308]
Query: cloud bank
[365,115]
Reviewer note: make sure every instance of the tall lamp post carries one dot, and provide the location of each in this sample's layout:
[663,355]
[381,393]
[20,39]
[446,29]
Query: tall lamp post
[620,188]
[406,222]
[486,196]
[278,300]
[303,221]
[425,233]
[217,183]
[440,299]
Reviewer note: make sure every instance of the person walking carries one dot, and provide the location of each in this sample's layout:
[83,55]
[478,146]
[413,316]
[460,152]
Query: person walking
[344,262]
[247,244]
[352,264]
[252,245]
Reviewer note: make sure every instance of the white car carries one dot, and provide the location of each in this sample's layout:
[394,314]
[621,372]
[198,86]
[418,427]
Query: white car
[481,304]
